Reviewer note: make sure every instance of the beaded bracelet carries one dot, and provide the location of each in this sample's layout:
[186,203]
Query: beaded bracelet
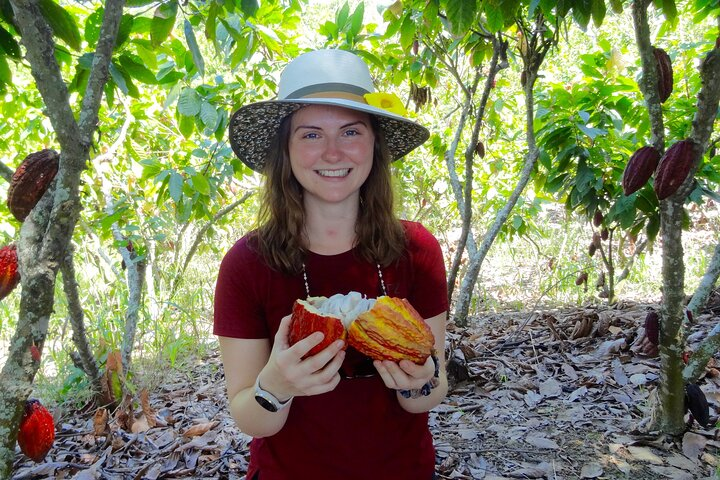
[425,390]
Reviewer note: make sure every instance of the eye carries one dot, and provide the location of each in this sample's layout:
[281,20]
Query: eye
[352,132]
[311,135]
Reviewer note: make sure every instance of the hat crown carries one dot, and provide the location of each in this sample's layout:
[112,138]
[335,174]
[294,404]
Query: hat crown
[319,71]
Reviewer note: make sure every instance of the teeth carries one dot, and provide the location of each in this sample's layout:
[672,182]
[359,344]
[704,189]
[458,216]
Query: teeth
[334,173]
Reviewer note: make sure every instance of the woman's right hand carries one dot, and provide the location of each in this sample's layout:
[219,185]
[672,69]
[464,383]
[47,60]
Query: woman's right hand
[287,374]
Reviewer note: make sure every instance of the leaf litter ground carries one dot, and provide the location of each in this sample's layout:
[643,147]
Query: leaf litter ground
[556,394]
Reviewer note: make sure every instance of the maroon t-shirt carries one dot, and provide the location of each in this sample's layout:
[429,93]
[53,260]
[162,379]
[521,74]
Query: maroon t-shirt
[358,430]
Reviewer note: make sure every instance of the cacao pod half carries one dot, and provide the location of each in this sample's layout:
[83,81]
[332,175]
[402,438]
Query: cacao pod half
[664,73]
[639,169]
[674,168]
[386,328]
[697,404]
[9,275]
[30,181]
[37,431]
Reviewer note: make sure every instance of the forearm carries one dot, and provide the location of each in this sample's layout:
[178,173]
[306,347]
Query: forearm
[253,419]
[426,403]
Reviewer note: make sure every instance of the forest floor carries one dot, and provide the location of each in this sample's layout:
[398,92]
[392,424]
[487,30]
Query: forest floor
[553,394]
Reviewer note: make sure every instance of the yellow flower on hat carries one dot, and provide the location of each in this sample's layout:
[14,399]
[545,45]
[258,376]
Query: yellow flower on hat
[386,101]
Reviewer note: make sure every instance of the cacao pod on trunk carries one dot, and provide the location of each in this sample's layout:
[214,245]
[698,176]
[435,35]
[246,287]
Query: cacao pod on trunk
[674,168]
[37,431]
[664,73]
[9,274]
[652,327]
[30,181]
[386,328]
[639,169]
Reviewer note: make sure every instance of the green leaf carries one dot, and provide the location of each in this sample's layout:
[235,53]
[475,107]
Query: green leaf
[599,11]
[249,7]
[209,116]
[189,102]
[92,26]
[118,78]
[653,227]
[356,20]
[175,186]
[407,34]
[193,46]
[5,73]
[200,184]
[495,17]
[137,70]
[8,44]
[163,22]
[461,15]
[186,125]
[342,15]
[62,23]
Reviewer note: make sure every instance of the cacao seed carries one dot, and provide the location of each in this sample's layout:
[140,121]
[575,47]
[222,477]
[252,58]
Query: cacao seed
[639,169]
[30,181]
[664,73]
[9,274]
[674,168]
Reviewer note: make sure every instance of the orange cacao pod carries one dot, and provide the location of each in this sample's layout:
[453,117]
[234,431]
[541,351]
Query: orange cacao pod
[30,181]
[386,328]
[674,168]
[9,275]
[639,169]
[37,431]
[664,73]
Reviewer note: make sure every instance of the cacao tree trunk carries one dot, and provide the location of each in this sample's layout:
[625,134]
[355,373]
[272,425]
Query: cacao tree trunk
[671,389]
[46,233]
[538,45]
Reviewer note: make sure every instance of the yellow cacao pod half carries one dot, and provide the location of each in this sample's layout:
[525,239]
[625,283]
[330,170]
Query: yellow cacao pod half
[386,328]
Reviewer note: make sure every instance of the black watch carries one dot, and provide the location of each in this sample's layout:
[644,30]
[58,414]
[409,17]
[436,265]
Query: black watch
[267,400]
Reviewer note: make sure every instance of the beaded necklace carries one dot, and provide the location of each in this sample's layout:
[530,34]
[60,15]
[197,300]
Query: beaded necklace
[307,284]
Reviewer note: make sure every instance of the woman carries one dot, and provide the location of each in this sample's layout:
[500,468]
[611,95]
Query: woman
[327,226]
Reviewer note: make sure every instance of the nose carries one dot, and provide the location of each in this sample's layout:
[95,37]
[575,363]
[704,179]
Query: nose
[332,152]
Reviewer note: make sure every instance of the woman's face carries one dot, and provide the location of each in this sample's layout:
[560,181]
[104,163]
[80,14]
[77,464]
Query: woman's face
[331,151]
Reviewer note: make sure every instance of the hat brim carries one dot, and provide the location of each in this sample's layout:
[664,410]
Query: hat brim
[253,127]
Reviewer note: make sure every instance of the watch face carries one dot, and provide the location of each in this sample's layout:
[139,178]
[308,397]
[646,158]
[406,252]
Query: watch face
[265,403]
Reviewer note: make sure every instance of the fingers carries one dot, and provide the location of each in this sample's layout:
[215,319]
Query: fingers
[404,375]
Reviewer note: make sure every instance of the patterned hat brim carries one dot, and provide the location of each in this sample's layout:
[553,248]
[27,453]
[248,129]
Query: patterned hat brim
[254,126]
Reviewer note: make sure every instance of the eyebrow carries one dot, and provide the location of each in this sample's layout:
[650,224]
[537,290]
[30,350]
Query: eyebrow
[357,122]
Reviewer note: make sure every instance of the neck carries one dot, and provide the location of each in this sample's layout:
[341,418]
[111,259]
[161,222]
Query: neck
[330,228]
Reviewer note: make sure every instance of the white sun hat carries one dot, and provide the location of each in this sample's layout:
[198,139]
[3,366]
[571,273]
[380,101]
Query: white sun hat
[319,77]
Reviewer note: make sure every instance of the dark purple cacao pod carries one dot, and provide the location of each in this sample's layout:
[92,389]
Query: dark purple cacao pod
[598,218]
[697,404]
[674,168]
[652,327]
[664,73]
[639,169]
[30,181]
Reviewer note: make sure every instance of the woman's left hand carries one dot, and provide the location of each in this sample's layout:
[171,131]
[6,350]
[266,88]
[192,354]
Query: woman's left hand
[405,375]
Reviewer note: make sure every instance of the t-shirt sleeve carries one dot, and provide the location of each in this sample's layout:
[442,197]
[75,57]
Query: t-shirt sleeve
[238,310]
[429,291]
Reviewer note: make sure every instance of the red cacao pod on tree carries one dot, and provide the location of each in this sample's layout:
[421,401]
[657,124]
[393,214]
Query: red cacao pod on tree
[386,328]
[674,168]
[9,275]
[664,73]
[37,431]
[639,169]
[30,181]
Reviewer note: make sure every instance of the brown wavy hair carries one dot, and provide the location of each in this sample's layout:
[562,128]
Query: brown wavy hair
[280,237]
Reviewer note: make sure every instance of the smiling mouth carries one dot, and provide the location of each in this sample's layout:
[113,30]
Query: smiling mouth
[344,172]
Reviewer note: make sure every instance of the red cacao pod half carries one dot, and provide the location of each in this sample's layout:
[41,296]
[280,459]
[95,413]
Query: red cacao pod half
[37,431]
[674,168]
[664,73]
[9,275]
[639,169]
[386,328]
[30,181]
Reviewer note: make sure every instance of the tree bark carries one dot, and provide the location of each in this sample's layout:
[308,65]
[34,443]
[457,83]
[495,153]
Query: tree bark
[46,233]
